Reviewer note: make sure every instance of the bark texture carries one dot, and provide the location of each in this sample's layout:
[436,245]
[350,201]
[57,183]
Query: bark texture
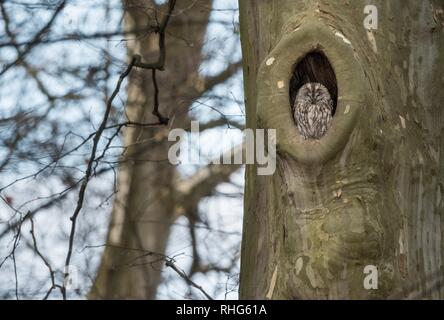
[146,201]
[370,192]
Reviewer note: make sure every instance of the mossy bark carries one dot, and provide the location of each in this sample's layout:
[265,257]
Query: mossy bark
[370,191]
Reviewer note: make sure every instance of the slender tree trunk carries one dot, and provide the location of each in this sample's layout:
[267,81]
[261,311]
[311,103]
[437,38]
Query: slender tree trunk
[370,192]
[145,203]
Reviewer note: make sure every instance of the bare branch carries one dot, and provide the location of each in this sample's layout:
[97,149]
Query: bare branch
[90,166]
[36,40]
[182,274]
[211,81]
[169,262]
[45,261]
[203,182]
[160,63]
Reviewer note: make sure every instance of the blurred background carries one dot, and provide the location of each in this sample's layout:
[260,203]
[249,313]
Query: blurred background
[60,62]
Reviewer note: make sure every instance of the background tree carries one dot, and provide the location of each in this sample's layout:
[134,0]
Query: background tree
[370,191]
[149,191]
[69,128]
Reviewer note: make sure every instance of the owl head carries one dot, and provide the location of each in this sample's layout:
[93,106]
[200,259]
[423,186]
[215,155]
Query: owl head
[313,93]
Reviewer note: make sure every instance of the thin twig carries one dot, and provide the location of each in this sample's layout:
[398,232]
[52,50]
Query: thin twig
[156,100]
[181,273]
[45,261]
[169,262]
[90,167]
[160,63]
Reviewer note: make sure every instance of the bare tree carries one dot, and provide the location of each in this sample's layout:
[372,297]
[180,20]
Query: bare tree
[148,191]
[366,199]
[66,161]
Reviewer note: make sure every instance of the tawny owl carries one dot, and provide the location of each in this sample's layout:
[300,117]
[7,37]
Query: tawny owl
[312,110]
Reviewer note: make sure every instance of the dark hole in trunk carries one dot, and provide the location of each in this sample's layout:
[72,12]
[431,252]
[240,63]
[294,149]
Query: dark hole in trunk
[314,67]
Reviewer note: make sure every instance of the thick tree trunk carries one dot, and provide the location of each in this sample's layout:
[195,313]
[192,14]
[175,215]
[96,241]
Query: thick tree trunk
[370,192]
[145,204]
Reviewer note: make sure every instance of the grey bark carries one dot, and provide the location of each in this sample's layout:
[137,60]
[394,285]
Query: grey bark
[370,192]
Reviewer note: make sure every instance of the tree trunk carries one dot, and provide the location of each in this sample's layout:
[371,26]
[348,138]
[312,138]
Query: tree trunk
[145,203]
[370,192]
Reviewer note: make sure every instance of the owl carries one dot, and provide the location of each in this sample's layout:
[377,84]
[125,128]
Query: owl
[312,110]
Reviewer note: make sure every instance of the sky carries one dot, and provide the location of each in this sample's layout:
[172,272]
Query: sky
[222,212]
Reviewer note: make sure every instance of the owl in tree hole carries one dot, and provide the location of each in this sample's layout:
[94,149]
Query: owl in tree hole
[312,110]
